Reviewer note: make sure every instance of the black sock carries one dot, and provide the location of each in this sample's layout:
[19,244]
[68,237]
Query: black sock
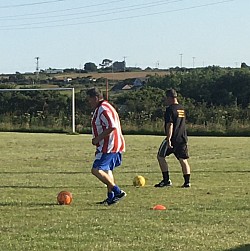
[186,178]
[165,176]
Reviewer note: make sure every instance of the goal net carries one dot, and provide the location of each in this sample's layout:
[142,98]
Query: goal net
[37,109]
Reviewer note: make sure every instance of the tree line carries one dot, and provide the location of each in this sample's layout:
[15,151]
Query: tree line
[217,101]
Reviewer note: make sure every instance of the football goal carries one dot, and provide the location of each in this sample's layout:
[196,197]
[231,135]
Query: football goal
[39,107]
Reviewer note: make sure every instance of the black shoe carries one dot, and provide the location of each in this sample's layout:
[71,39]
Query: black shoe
[186,185]
[119,196]
[164,184]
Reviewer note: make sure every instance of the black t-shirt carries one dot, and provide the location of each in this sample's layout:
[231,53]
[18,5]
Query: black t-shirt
[175,114]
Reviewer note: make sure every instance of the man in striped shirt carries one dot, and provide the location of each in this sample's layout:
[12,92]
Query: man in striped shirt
[109,142]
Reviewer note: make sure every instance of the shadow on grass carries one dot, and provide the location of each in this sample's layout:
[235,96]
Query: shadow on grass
[245,247]
[194,171]
[41,187]
[38,206]
[35,172]
[19,203]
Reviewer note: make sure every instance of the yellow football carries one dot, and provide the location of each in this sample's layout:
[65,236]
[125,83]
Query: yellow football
[139,181]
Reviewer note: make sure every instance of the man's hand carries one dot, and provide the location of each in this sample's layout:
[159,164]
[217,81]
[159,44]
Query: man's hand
[169,143]
[95,141]
[101,136]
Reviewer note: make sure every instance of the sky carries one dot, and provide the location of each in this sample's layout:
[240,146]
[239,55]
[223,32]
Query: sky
[144,33]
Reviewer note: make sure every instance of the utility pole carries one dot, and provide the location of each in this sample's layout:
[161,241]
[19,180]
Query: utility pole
[193,61]
[124,63]
[181,59]
[37,66]
[107,89]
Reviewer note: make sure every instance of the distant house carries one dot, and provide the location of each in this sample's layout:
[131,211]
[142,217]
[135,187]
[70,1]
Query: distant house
[129,84]
[127,87]
[119,66]
[120,86]
[139,82]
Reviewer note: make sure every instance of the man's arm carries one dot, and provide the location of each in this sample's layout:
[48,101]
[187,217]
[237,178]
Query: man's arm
[169,132]
[100,137]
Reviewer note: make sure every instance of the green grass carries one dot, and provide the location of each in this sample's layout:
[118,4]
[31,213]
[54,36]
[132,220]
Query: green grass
[212,215]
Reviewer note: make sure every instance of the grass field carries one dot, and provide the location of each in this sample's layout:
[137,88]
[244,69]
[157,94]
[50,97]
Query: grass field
[214,214]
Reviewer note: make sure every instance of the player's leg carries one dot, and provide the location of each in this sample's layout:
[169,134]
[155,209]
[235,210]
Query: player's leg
[104,177]
[102,169]
[182,155]
[115,162]
[161,157]
[185,166]
[186,172]
[110,173]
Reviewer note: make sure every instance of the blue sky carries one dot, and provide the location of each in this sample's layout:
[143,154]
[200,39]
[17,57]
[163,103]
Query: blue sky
[69,33]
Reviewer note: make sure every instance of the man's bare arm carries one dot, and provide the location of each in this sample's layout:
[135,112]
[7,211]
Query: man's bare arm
[100,137]
[169,133]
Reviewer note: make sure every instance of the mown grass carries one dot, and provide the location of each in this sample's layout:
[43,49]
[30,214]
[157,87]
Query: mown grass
[212,215]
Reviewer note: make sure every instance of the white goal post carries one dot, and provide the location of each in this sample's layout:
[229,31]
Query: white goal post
[51,89]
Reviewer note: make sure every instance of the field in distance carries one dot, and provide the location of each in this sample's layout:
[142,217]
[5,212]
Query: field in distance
[112,76]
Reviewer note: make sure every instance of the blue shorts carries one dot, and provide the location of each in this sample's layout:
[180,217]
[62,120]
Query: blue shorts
[107,161]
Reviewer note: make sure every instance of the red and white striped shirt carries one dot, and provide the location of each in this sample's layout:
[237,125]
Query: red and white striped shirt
[105,116]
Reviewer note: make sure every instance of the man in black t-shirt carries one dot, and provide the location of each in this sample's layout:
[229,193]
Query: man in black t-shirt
[175,141]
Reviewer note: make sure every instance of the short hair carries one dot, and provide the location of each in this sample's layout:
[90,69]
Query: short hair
[171,93]
[94,92]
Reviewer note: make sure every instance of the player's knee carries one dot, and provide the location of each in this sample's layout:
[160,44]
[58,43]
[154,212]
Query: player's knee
[160,158]
[183,162]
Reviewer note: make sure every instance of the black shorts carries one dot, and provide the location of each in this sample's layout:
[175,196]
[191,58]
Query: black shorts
[179,150]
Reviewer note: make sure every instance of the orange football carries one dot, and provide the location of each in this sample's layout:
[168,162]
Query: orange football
[64,198]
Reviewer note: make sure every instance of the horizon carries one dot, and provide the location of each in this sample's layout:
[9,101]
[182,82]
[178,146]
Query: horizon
[128,67]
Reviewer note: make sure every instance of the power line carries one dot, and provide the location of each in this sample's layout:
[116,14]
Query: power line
[64,10]
[119,18]
[114,11]
[30,4]
[181,54]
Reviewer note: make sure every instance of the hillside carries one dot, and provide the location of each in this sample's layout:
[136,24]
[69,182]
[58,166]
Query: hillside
[111,76]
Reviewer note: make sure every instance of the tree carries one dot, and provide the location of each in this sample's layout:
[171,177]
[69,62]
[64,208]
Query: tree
[244,65]
[106,63]
[90,67]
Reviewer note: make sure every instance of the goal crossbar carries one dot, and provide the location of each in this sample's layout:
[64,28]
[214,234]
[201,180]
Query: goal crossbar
[52,89]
